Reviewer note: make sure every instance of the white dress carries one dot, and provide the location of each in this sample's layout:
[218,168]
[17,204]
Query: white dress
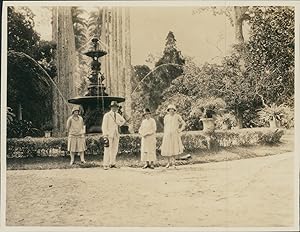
[172,144]
[148,145]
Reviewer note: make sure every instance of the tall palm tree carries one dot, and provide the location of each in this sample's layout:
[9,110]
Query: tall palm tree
[95,23]
[79,26]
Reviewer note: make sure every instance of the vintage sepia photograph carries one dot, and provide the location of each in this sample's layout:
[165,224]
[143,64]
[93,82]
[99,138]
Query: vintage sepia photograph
[159,115]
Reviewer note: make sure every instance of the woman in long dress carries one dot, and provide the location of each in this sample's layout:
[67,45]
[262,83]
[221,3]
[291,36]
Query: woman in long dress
[148,145]
[76,135]
[172,144]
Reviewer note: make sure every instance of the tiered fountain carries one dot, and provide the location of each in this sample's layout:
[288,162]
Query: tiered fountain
[96,101]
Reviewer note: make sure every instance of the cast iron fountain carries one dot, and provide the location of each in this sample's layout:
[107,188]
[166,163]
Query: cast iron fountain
[96,101]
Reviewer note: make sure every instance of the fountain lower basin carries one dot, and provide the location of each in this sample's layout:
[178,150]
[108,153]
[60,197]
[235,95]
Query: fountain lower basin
[94,100]
[94,108]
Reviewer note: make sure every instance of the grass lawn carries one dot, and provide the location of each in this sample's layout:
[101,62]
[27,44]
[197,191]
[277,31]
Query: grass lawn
[202,156]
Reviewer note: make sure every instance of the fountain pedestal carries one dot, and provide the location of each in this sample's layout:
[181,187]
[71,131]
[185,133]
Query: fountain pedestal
[96,102]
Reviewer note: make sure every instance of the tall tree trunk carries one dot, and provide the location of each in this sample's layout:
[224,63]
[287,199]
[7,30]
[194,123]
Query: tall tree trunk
[103,40]
[239,17]
[66,60]
[106,74]
[20,113]
[120,53]
[128,73]
[108,57]
[112,53]
[239,118]
[115,39]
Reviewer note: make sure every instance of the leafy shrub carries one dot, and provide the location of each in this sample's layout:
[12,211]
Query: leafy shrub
[226,121]
[47,126]
[281,113]
[130,144]
[194,123]
[272,137]
[208,107]
[21,129]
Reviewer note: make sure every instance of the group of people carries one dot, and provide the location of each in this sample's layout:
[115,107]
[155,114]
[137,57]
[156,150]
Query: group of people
[112,120]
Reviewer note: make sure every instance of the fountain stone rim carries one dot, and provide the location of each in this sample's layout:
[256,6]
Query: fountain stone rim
[80,100]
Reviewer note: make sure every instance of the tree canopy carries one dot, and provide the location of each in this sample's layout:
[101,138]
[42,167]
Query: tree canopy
[257,73]
[21,35]
[30,65]
[28,85]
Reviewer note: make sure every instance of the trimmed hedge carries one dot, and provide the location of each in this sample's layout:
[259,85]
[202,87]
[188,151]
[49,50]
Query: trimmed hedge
[130,144]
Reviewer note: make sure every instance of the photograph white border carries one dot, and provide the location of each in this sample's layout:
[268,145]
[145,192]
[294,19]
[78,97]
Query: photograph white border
[296,4]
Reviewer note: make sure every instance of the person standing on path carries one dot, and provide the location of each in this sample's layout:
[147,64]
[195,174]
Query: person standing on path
[112,120]
[148,144]
[76,135]
[171,143]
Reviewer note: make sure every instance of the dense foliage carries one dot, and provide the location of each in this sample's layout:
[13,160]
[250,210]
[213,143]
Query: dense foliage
[257,73]
[30,67]
[270,53]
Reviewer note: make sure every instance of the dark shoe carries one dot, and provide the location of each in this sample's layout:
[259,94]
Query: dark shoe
[112,166]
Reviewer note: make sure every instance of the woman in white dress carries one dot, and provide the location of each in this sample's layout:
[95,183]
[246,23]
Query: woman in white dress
[148,145]
[171,143]
[76,135]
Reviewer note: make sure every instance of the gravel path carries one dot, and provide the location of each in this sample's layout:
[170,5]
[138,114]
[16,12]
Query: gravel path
[244,193]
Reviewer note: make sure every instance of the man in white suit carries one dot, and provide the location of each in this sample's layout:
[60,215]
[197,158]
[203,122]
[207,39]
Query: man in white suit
[110,129]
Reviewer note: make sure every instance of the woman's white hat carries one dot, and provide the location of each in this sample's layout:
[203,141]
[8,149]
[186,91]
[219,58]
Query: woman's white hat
[171,106]
[76,107]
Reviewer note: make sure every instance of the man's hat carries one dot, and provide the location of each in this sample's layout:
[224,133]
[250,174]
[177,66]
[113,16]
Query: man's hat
[114,103]
[146,111]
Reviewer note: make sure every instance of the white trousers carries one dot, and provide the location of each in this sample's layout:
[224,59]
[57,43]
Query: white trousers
[110,153]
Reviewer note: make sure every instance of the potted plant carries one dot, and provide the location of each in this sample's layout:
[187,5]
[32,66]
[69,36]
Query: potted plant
[47,128]
[274,114]
[207,109]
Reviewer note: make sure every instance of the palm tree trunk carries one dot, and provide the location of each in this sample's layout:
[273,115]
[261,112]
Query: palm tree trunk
[102,39]
[115,34]
[120,53]
[112,53]
[128,74]
[108,40]
[66,60]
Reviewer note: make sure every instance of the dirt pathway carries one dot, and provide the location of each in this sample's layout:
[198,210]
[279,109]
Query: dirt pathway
[244,193]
